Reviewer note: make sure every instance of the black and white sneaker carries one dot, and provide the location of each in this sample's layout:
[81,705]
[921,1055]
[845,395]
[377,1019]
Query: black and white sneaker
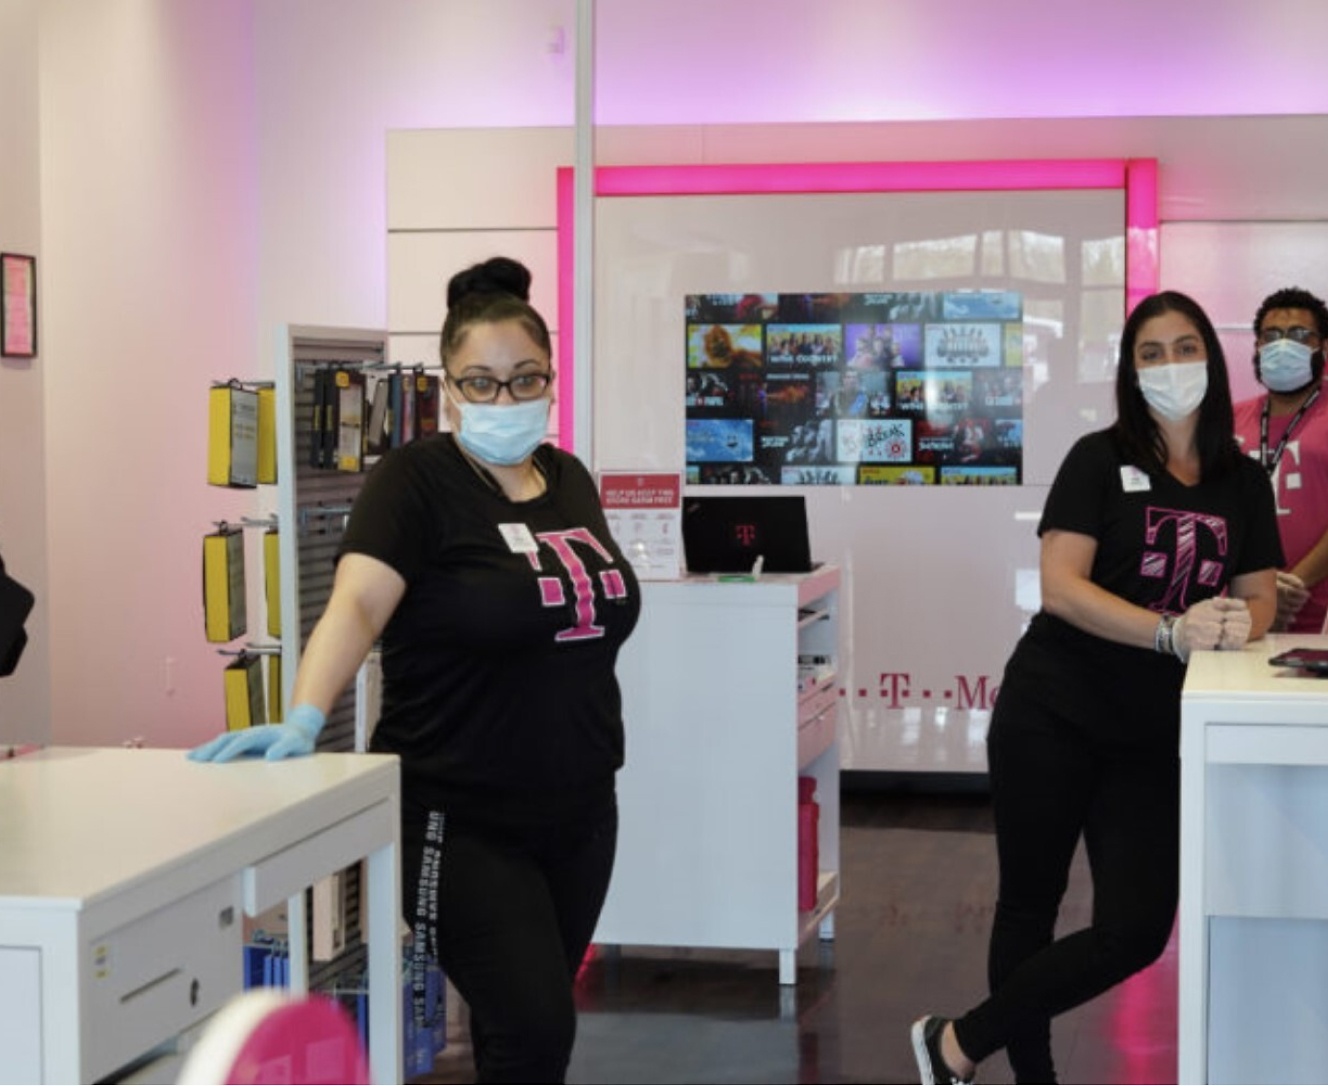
[926,1036]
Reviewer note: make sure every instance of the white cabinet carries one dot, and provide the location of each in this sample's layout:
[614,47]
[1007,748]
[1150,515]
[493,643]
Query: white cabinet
[1253,912]
[125,877]
[721,722]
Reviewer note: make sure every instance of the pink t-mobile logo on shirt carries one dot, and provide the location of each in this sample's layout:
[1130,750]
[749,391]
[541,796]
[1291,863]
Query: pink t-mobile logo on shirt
[1179,567]
[583,586]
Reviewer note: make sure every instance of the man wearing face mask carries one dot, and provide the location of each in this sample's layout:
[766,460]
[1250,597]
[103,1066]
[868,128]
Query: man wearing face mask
[1287,431]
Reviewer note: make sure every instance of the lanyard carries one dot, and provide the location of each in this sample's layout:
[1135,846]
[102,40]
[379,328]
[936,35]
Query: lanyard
[1271,465]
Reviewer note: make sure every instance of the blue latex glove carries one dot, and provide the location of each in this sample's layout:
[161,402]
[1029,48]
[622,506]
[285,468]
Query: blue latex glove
[293,738]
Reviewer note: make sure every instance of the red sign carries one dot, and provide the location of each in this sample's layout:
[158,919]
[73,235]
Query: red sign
[632,490]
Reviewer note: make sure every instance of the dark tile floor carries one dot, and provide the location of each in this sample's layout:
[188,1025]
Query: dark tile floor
[918,876]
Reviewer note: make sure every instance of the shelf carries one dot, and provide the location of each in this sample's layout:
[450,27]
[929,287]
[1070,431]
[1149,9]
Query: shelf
[827,897]
[808,616]
[816,732]
[815,699]
[723,872]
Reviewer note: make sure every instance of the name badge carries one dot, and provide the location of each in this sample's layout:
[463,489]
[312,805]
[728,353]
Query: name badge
[1132,480]
[518,538]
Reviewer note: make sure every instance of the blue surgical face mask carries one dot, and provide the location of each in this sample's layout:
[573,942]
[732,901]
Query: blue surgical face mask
[1285,365]
[503,434]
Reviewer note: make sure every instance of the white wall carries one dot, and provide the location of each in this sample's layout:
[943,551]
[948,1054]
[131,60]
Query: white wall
[333,77]
[208,170]
[1230,267]
[456,194]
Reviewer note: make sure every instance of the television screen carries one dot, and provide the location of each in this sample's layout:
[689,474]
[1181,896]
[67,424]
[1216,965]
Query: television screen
[908,388]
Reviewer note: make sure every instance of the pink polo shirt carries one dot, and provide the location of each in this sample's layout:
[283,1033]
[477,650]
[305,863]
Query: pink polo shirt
[1301,485]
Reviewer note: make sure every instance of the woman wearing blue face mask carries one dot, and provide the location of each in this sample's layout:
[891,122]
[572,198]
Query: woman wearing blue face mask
[1287,430]
[1157,538]
[483,560]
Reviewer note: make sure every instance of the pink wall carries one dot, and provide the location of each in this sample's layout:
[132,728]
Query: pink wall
[149,224]
[25,696]
[691,61]
[210,170]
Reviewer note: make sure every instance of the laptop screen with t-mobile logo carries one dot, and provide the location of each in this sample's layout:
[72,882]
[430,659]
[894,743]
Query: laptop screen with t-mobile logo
[727,534]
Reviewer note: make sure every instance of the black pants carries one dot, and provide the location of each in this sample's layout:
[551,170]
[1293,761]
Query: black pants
[1050,786]
[509,914]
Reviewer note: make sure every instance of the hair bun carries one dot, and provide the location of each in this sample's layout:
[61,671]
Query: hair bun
[497,275]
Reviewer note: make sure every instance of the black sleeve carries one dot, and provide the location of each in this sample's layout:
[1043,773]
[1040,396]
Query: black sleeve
[15,605]
[581,487]
[11,655]
[1079,493]
[391,519]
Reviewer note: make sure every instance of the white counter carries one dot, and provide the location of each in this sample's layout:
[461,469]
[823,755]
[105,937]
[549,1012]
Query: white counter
[1254,868]
[124,875]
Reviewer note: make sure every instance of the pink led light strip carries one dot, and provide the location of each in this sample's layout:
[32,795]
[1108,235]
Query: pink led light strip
[1138,177]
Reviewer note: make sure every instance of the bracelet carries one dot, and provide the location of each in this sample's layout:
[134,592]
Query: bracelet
[1162,636]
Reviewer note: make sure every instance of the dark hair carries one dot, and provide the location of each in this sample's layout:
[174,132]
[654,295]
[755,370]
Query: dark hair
[1294,298]
[1137,431]
[488,293]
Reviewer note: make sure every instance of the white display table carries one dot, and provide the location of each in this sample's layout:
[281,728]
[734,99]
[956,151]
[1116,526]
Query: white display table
[720,725]
[1254,868]
[124,876]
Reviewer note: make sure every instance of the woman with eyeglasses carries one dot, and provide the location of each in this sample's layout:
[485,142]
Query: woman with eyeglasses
[1157,538]
[482,559]
[1287,430]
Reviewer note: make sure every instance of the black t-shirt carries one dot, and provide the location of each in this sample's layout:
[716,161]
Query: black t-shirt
[1160,544]
[499,692]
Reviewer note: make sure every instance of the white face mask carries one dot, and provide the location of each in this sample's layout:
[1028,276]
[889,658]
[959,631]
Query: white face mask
[1175,389]
[1285,365]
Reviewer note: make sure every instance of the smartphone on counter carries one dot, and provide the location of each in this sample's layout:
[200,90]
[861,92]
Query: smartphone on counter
[1315,660]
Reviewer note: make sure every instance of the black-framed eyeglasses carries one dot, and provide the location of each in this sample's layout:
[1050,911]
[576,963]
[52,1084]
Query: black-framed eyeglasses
[524,386]
[1297,333]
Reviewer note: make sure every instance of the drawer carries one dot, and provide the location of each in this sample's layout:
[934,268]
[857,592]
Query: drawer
[157,975]
[20,1015]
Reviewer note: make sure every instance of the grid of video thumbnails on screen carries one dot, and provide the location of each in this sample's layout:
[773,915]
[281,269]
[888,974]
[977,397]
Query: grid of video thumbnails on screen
[903,388]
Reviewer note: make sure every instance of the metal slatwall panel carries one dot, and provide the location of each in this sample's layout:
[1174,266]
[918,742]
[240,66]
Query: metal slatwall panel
[314,505]
[323,497]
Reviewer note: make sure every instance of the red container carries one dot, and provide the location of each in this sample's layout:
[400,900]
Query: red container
[808,815]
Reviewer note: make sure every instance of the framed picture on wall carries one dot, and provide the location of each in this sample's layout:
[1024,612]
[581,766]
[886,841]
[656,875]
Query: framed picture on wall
[18,308]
